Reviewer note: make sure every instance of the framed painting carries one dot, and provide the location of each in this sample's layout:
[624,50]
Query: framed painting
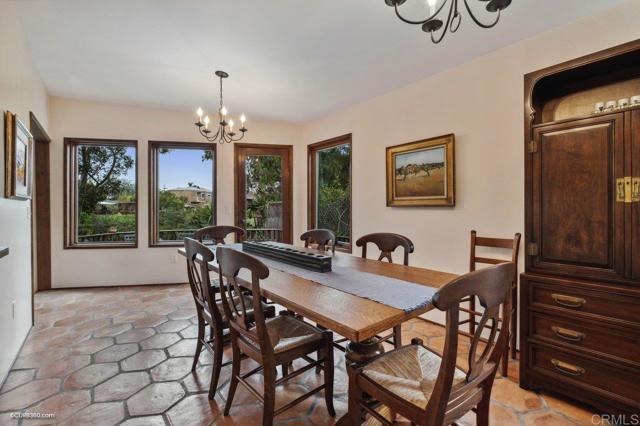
[422,173]
[18,158]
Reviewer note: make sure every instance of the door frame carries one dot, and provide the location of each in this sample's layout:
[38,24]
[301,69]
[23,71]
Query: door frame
[287,177]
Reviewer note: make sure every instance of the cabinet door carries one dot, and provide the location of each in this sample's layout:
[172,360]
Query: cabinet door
[635,206]
[577,224]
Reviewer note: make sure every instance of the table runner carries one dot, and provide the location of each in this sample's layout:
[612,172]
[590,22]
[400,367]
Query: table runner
[399,294]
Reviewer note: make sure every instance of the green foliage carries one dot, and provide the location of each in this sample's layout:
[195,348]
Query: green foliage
[334,190]
[264,182]
[175,214]
[91,223]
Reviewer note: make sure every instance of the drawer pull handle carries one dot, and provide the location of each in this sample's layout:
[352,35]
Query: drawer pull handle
[568,301]
[567,334]
[566,368]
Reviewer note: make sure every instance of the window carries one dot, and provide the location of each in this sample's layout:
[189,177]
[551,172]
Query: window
[329,203]
[182,196]
[101,193]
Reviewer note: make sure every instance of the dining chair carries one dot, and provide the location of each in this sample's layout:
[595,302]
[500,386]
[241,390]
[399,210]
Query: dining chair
[427,388]
[387,243]
[218,233]
[209,311]
[512,244]
[268,342]
[324,238]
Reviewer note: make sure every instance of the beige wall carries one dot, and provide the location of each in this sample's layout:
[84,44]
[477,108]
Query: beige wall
[21,91]
[143,265]
[482,103]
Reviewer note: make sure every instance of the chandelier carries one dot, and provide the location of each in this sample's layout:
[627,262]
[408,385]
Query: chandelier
[225,131]
[435,22]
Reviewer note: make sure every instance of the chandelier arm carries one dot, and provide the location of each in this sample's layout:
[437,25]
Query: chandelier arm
[209,138]
[478,22]
[409,21]
[445,28]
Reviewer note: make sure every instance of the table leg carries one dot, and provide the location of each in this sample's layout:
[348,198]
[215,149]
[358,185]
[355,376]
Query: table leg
[357,354]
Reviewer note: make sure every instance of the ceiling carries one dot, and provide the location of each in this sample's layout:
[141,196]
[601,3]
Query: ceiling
[291,60]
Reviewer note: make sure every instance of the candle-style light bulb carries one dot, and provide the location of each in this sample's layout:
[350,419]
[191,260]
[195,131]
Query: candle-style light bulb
[206,122]
[231,125]
[199,112]
[432,6]
[243,119]
[223,110]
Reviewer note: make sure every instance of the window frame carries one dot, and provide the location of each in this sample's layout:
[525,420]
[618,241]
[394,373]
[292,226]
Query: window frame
[70,192]
[153,147]
[312,172]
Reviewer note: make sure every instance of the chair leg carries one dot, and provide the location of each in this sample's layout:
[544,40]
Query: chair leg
[328,375]
[397,336]
[285,369]
[514,323]
[472,317]
[235,372]
[482,412]
[355,399]
[268,409]
[504,363]
[217,365]
[196,356]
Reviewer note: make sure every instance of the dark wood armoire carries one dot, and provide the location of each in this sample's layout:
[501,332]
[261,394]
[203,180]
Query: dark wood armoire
[580,292]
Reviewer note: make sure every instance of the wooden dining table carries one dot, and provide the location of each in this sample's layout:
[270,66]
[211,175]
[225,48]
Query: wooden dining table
[356,318]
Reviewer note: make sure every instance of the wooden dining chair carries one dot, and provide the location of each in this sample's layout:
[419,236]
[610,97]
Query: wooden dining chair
[210,312]
[429,389]
[512,244]
[387,243]
[323,238]
[269,342]
[218,233]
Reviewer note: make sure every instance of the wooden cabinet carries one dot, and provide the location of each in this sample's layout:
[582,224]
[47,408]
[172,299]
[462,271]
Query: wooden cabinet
[580,293]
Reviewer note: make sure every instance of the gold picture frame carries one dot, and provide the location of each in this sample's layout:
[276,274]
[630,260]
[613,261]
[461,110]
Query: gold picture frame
[18,144]
[422,173]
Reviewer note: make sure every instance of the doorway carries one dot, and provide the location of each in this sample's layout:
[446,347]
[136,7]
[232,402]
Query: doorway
[263,191]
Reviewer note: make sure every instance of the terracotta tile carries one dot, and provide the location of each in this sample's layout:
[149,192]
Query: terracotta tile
[112,330]
[569,409]
[160,341]
[194,410]
[173,326]
[172,369]
[182,314]
[150,321]
[63,405]
[155,399]
[509,393]
[143,360]
[121,386]
[103,414]
[28,394]
[92,346]
[64,367]
[17,378]
[90,376]
[116,353]
[92,325]
[190,332]
[548,419]
[72,319]
[186,347]
[135,335]
[145,421]
[38,359]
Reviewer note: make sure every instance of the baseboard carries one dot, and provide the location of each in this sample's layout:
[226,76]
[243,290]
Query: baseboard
[113,286]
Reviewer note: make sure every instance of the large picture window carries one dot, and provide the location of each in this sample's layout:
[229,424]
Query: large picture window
[181,190]
[101,193]
[329,203]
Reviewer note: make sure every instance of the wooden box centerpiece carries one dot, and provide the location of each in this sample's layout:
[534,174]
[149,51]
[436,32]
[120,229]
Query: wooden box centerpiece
[302,258]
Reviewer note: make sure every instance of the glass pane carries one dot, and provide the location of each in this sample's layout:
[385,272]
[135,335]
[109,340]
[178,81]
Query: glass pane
[263,212]
[106,184]
[185,195]
[333,203]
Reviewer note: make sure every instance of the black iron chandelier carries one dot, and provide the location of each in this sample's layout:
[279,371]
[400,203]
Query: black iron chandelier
[437,27]
[225,131]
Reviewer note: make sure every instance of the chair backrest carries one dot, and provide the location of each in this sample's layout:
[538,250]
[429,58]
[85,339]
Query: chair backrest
[512,244]
[386,243]
[322,237]
[198,256]
[231,262]
[218,233]
[492,287]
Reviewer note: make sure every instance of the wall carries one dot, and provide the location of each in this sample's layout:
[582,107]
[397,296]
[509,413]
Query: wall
[21,91]
[144,265]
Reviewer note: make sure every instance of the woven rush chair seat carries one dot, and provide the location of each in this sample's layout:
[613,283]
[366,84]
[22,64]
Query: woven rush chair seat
[286,333]
[410,373]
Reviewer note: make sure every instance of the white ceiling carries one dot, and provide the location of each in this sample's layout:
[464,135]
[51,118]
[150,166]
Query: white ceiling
[290,60]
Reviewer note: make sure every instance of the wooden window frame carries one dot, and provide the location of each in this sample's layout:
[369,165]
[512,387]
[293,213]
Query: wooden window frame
[312,150]
[70,221]
[154,146]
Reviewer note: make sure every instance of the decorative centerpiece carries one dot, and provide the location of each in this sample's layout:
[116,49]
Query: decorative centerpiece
[286,254]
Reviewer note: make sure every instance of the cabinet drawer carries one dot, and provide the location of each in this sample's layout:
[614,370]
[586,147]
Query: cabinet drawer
[595,376]
[581,335]
[575,299]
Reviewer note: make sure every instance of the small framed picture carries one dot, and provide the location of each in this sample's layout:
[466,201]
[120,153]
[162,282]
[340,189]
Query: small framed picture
[421,173]
[18,158]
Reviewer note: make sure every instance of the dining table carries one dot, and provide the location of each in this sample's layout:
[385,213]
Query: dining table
[355,317]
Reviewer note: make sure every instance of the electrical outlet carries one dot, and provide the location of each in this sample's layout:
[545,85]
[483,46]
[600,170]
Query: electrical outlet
[13,309]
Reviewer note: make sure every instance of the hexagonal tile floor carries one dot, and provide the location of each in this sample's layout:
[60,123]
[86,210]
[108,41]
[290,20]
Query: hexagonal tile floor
[123,356]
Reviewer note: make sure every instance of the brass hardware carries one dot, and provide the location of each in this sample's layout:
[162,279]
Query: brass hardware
[620,190]
[566,368]
[567,334]
[635,189]
[627,189]
[532,249]
[568,301]
[533,146]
